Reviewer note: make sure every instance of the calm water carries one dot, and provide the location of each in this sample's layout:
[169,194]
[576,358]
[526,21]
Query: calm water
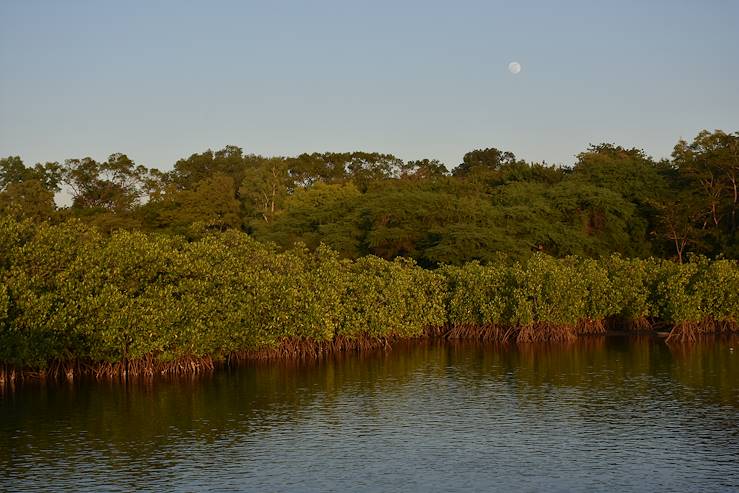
[606,414]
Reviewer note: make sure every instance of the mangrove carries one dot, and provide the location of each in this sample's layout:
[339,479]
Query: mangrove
[75,300]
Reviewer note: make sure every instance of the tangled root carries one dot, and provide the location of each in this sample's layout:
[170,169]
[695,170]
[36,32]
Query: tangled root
[541,332]
[589,326]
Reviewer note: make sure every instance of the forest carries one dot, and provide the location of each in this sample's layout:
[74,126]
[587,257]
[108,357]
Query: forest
[612,200]
[231,256]
[74,300]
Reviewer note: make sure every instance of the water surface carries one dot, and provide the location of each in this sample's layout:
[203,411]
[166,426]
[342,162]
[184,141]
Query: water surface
[601,414]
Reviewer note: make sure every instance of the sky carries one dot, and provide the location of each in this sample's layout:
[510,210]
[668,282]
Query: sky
[161,80]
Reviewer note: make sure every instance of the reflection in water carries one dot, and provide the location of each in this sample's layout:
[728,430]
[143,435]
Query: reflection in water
[597,414]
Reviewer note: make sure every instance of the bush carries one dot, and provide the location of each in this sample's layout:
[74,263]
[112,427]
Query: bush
[69,294]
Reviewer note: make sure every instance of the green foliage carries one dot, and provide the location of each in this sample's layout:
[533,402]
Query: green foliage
[12,170]
[315,215]
[448,220]
[699,292]
[629,172]
[264,188]
[719,286]
[614,200]
[549,291]
[483,160]
[344,243]
[27,199]
[632,282]
[423,169]
[707,172]
[390,299]
[229,161]
[115,185]
[479,295]
[69,293]
[210,204]
[602,300]
[676,297]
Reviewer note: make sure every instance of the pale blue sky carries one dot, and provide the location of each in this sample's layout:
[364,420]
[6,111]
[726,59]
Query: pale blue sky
[159,80]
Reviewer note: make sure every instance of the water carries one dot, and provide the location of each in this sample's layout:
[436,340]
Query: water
[608,414]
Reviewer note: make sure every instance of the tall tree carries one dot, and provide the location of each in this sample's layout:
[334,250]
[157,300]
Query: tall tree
[28,192]
[116,185]
[423,169]
[27,199]
[481,160]
[629,172]
[323,213]
[210,204]
[12,170]
[710,164]
[230,161]
[265,187]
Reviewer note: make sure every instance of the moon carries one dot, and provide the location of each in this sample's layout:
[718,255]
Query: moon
[514,67]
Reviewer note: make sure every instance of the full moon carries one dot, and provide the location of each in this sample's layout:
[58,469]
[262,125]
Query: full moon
[514,67]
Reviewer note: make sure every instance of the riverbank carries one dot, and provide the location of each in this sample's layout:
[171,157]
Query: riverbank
[301,350]
[73,301]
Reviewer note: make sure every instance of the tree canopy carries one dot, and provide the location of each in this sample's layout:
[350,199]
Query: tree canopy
[612,200]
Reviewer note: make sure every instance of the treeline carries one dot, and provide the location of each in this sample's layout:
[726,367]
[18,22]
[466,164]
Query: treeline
[613,200]
[73,299]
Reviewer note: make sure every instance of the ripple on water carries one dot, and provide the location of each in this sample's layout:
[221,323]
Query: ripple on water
[616,415]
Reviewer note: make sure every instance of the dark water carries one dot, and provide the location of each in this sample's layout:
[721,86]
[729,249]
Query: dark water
[609,414]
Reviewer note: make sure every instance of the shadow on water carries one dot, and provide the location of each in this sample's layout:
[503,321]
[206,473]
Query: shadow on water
[609,389]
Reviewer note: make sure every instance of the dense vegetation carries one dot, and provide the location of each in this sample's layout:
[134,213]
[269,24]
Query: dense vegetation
[231,254]
[72,297]
[613,200]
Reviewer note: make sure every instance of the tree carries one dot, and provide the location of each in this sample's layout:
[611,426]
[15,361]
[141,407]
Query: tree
[629,172]
[265,187]
[481,160]
[362,168]
[12,170]
[323,213]
[680,220]
[229,161]
[309,169]
[211,204]
[28,199]
[521,171]
[424,169]
[598,221]
[710,164]
[116,185]
[614,199]
[365,168]
[28,192]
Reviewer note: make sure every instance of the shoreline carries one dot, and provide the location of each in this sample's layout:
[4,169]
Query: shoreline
[73,301]
[301,350]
